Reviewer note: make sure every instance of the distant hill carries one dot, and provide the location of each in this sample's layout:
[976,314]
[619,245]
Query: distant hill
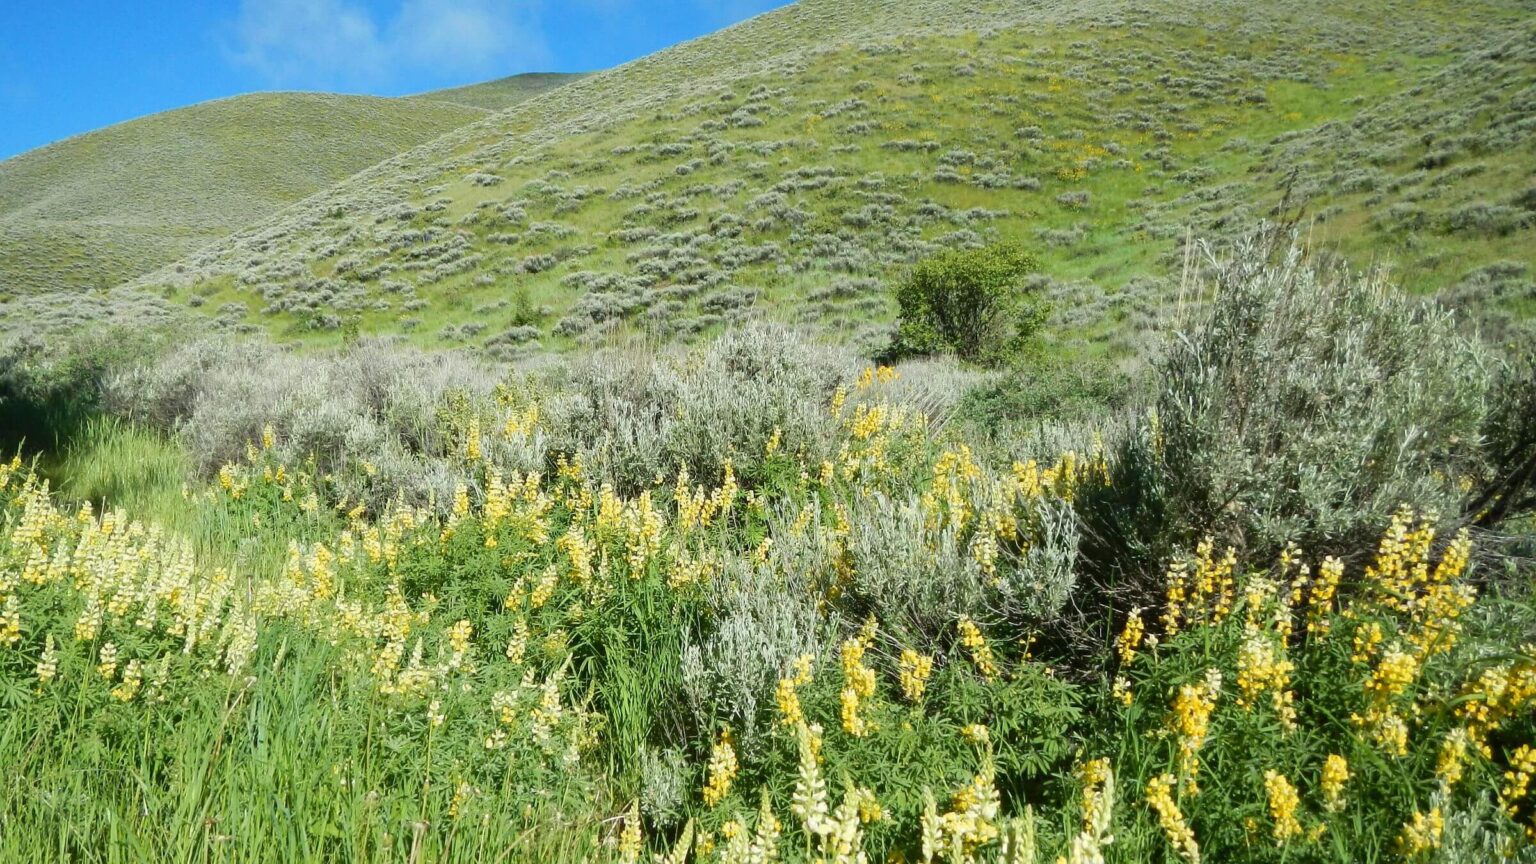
[792,166]
[503,93]
[100,208]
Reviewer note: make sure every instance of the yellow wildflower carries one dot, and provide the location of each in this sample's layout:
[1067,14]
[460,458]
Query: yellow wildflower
[630,839]
[1421,834]
[1335,775]
[1171,818]
[1130,638]
[1283,801]
[976,644]
[914,669]
[722,769]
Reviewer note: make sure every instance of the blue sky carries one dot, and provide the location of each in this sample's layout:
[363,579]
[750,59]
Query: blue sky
[69,67]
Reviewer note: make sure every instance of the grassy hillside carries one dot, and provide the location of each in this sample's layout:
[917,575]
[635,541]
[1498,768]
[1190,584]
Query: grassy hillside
[98,209]
[502,93]
[791,166]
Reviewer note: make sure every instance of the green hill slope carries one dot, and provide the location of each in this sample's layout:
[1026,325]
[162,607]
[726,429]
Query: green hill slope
[503,93]
[100,208]
[789,167]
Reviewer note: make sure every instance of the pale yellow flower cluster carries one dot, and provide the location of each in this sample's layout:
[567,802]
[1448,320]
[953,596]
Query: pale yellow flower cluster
[122,576]
[1335,775]
[787,695]
[1517,782]
[837,832]
[1283,803]
[1422,833]
[858,681]
[1160,798]
[1200,591]
[976,645]
[760,845]
[970,823]
[722,769]
[914,670]
[1262,667]
[1192,708]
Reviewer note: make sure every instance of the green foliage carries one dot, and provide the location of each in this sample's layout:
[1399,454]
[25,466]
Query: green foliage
[632,665]
[50,388]
[111,463]
[972,303]
[1509,433]
[1036,392]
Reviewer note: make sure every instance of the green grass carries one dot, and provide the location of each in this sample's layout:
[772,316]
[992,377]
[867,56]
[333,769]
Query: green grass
[113,465]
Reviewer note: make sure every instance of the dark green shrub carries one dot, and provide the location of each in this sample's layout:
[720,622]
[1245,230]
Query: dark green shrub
[1509,434]
[50,388]
[969,302]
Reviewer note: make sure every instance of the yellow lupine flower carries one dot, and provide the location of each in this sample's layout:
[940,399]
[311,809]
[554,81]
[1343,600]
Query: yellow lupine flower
[1450,762]
[976,644]
[1283,801]
[1171,818]
[1192,707]
[133,677]
[10,621]
[1335,775]
[721,770]
[914,670]
[1421,834]
[1130,638]
[1517,780]
[48,665]
[630,840]
[858,684]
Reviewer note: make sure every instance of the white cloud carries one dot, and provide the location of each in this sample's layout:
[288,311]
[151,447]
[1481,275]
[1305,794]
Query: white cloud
[339,44]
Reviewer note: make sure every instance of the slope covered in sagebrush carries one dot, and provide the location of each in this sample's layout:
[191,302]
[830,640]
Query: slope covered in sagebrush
[502,93]
[791,166]
[100,208]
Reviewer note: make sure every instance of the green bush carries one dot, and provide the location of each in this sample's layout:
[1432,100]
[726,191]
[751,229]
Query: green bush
[968,302]
[1509,431]
[49,389]
[1002,410]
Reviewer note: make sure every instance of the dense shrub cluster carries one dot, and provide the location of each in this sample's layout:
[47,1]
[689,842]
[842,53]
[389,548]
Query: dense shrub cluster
[760,596]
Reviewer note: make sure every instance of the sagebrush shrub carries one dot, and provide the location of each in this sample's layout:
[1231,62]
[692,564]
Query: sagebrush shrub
[376,404]
[1509,433]
[633,415]
[1306,406]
